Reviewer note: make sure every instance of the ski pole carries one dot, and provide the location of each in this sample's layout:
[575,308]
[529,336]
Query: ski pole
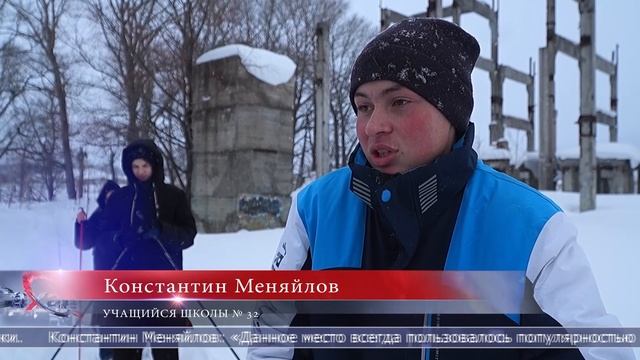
[80,269]
[81,236]
[175,267]
[84,311]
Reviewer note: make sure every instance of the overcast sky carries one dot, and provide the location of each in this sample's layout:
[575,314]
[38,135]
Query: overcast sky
[522,31]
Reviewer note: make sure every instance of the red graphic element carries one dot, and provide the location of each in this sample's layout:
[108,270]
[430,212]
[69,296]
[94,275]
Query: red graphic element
[250,285]
[27,278]
[49,281]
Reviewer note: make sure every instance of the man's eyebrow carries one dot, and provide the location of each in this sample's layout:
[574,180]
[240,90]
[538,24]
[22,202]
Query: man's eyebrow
[390,89]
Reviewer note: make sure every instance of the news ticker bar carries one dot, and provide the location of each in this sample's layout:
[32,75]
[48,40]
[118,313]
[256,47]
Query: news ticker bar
[315,337]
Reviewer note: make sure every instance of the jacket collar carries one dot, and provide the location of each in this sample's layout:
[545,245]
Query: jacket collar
[409,202]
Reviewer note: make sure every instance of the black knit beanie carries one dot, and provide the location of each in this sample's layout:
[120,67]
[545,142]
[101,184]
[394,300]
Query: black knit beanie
[108,186]
[147,150]
[432,57]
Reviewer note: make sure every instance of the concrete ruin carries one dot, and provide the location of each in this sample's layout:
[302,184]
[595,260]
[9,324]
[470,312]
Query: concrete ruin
[615,167]
[242,140]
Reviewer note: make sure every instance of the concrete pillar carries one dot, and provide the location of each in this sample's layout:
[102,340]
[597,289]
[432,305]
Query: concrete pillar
[496,127]
[434,8]
[457,12]
[243,142]
[531,104]
[613,104]
[547,59]
[587,120]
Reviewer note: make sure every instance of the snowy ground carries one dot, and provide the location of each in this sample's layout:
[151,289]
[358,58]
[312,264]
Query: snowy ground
[40,237]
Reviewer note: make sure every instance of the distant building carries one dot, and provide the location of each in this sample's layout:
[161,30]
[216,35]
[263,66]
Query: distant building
[524,168]
[527,169]
[616,173]
[499,159]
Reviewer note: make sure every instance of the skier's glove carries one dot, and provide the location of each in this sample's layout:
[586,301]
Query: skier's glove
[151,234]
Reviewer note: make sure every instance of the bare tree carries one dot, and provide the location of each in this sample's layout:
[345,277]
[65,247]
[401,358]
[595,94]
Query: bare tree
[347,39]
[302,49]
[128,28]
[38,145]
[179,45]
[40,24]
[144,60]
[13,80]
[288,27]
[13,77]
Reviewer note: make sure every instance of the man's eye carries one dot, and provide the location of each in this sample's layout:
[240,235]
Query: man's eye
[363,108]
[400,102]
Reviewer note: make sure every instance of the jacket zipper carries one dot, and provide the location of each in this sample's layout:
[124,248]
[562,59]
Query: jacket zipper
[155,200]
[133,204]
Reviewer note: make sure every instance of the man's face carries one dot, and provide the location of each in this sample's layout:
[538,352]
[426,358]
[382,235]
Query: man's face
[398,129]
[141,169]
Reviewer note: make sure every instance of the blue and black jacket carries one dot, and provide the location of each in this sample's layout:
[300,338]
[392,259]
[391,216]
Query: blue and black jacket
[453,214]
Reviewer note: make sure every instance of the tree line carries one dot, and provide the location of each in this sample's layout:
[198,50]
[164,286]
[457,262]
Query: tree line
[80,79]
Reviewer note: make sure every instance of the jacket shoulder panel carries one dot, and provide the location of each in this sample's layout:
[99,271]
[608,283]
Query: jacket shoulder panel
[498,223]
[334,221]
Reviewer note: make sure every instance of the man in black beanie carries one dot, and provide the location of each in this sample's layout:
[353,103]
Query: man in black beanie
[433,58]
[416,197]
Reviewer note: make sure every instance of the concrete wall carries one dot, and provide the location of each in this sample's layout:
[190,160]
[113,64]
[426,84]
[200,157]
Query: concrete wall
[616,178]
[612,176]
[570,175]
[521,173]
[527,176]
[243,141]
[501,165]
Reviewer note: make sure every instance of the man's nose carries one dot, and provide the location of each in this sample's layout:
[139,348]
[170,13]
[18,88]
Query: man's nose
[378,123]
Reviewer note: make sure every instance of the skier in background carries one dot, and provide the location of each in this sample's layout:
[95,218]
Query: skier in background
[153,224]
[89,235]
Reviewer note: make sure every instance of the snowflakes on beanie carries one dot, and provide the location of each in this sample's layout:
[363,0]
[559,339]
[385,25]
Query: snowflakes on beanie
[432,57]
